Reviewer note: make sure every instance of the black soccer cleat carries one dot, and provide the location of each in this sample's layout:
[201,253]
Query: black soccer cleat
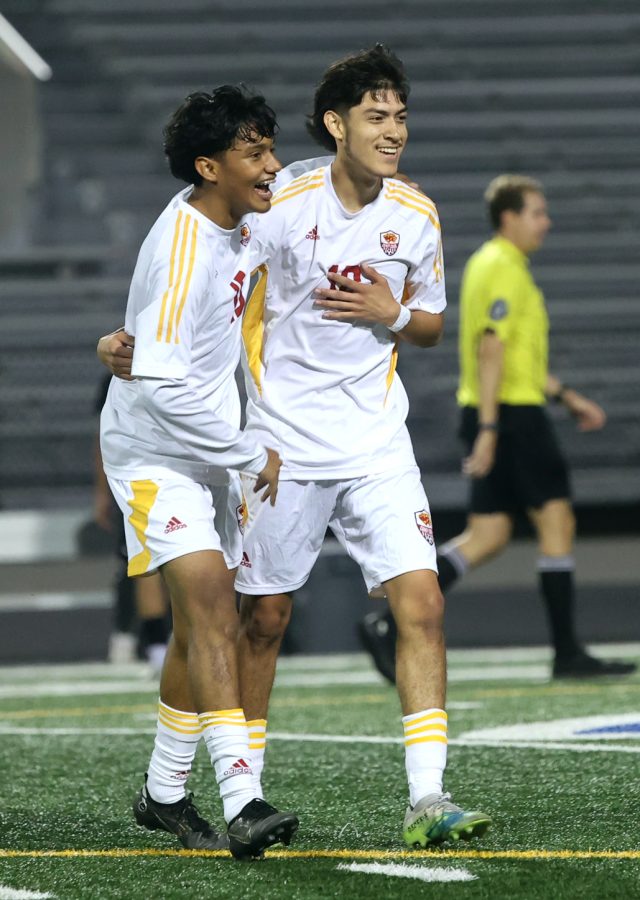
[258,826]
[378,636]
[181,818]
[582,665]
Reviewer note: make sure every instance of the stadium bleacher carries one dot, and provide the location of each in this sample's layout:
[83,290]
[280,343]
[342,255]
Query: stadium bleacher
[551,91]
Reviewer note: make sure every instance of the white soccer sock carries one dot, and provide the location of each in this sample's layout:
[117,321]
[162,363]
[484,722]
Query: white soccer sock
[177,737]
[425,742]
[257,745]
[227,737]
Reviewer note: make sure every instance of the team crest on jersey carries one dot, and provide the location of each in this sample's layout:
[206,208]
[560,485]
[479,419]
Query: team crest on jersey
[242,514]
[245,234]
[423,521]
[389,241]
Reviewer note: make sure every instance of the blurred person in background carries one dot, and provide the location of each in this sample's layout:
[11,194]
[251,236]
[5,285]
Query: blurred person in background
[514,460]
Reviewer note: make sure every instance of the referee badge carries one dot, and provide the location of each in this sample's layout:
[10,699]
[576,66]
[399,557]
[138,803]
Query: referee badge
[499,310]
[423,521]
[389,241]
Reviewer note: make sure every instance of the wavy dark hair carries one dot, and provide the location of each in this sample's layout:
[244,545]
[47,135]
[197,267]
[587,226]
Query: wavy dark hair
[346,81]
[207,124]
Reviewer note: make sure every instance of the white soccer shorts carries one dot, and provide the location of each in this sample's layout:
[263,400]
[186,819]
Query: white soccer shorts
[165,518]
[382,521]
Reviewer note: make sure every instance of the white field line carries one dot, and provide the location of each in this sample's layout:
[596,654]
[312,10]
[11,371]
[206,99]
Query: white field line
[402,870]
[333,739]
[9,893]
[310,680]
[495,656]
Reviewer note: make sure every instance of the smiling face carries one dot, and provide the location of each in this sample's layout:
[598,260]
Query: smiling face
[242,176]
[372,135]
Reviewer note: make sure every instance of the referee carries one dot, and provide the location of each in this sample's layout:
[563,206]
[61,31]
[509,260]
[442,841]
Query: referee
[514,461]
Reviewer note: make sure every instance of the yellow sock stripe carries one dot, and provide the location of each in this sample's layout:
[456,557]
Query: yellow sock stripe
[144,496]
[176,289]
[171,270]
[257,723]
[420,729]
[173,727]
[176,713]
[184,724]
[192,257]
[438,738]
[429,717]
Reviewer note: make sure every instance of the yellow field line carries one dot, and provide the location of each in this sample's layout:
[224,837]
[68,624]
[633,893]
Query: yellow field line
[332,854]
[87,712]
[550,691]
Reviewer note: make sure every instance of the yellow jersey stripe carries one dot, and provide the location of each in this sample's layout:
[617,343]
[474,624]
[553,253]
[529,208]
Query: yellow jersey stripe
[178,282]
[187,284]
[174,245]
[439,739]
[434,221]
[392,369]
[410,193]
[317,175]
[253,326]
[144,496]
[312,186]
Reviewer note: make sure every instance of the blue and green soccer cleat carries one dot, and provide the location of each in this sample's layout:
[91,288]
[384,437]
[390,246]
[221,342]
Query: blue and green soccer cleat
[435,819]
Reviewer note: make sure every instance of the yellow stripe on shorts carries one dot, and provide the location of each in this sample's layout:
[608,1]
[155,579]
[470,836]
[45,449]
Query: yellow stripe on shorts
[144,496]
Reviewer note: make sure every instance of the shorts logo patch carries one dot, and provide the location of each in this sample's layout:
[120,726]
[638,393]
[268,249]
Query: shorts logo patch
[245,561]
[245,234]
[174,524]
[499,310]
[242,514]
[423,521]
[389,241]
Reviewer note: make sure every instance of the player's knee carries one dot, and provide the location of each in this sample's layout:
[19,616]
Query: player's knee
[265,619]
[422,612]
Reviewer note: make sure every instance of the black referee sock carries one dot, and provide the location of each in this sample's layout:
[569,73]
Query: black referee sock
[555,576]
[153,631]
[451,566]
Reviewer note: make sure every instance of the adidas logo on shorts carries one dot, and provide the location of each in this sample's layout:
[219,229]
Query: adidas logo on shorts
[173,525]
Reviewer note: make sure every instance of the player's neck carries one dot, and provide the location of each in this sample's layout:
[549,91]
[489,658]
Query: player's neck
[214,207]
[354,187]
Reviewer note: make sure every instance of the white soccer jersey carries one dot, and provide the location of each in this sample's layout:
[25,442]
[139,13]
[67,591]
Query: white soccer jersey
[185,306]
[326,393]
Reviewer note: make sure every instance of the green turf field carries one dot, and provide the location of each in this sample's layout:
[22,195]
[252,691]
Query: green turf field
[564,795]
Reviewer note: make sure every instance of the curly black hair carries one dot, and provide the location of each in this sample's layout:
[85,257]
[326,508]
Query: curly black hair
[206,124]
[346,81]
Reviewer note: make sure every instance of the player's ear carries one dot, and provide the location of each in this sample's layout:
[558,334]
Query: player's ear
[207,168]
[334,123]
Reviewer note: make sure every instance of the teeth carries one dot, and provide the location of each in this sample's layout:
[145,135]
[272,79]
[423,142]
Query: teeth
[389,151]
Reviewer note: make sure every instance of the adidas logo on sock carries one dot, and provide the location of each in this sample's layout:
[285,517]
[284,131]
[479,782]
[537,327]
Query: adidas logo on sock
[239,767]
[173,525]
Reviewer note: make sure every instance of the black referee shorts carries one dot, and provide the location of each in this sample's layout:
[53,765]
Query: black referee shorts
[529,469]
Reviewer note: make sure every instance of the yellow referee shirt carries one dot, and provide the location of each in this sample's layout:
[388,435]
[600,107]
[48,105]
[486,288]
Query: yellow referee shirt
[499,294]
